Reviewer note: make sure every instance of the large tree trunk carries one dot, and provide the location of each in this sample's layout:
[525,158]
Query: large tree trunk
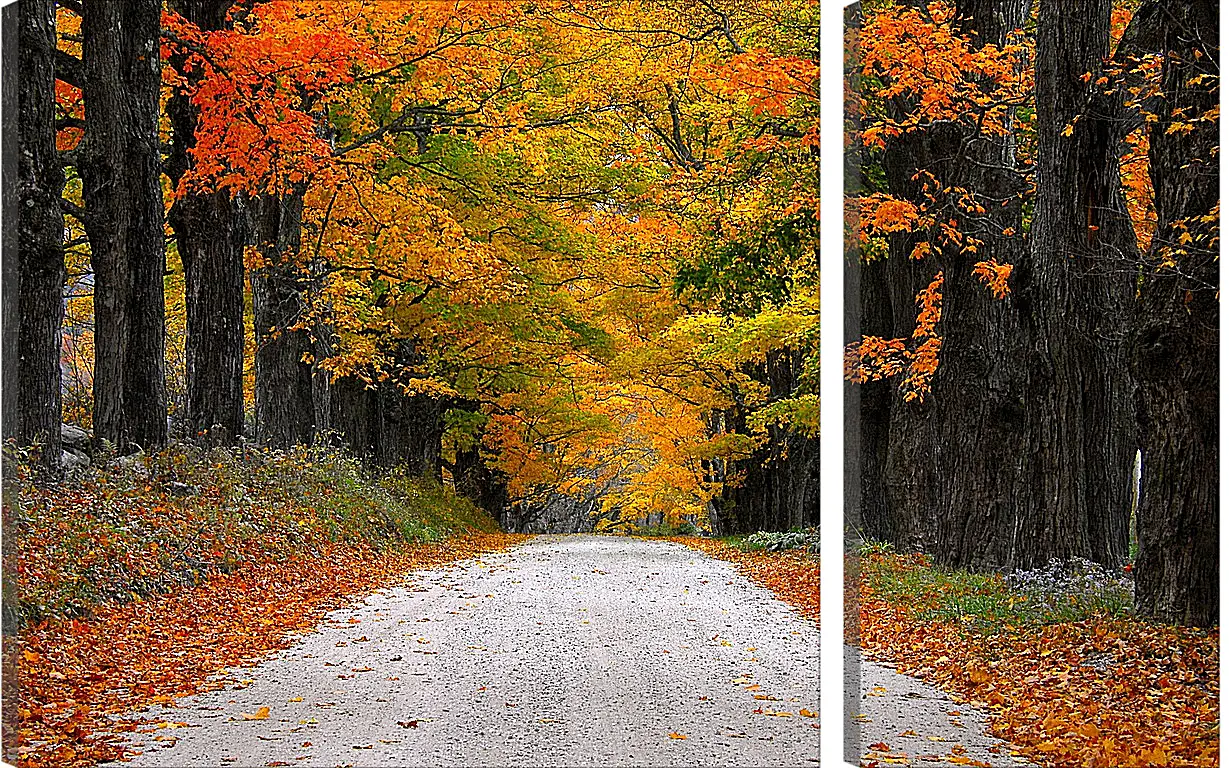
[1080,282]
[979,386]
[1175,343]
[123,199]
[40,235]
[210,235]
[10,285]
[285,408]
[935,473]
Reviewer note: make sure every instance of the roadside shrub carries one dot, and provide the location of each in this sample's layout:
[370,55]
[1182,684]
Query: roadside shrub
[139,525]
[1074,589]
[780,541]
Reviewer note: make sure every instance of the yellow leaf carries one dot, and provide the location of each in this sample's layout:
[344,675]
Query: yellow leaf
[261,714]
[808,713]
[677,735]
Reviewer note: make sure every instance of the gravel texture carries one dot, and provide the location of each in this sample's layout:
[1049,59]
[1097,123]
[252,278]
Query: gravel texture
[913,720]
[566,650]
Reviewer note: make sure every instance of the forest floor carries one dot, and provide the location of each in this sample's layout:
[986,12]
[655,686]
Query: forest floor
[573,650]
[136,581]
[1068,681]
[893,719]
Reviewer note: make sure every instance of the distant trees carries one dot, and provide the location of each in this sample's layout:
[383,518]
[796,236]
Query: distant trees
[1024,197]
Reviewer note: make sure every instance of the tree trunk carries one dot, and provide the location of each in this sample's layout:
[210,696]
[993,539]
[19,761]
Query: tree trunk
[41,238]
[384,426]
[779,486]
[285,410]
[123,199]
[932,473]
[476,480]
[210,235]
[1080,282]
[1174,341]
[10,285]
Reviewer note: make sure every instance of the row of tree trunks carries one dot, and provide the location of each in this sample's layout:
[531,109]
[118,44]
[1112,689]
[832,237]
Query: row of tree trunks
[40,233]
[120,171]
[777,487]
[1029,435]
[387,428]
[1022,450]
[1174,346]
[210,235]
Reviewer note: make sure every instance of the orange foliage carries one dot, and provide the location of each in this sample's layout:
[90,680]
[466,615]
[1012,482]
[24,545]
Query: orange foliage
[77,672]
[876,358]
[1155,703]
[994,275]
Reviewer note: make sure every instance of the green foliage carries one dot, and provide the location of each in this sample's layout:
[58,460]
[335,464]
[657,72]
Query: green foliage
[990,602]
[665,529]
[744,276]
[780,541]
[870,547]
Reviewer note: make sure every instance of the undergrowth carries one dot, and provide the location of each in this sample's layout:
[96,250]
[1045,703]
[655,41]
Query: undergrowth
[1063,591]
[147,524]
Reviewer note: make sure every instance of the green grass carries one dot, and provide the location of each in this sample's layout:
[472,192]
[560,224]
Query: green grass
[152,523]
[983,602]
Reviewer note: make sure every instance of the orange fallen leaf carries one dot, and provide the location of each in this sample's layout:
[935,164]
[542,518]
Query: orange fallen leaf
[677,735]
[261,714]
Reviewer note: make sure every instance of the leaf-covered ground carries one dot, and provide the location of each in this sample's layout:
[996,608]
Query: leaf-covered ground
[1098,690]
[74,673]
[793,574]
[140,582]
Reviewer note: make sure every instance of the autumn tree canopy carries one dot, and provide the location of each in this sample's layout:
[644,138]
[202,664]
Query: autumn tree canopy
[538,250]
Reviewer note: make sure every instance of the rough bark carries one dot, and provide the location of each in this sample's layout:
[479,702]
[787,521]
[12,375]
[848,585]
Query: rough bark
[979,387]
[285,410]
[40,235]
[120,169]
[903,469]
[930,472]
[210,235]
[1080,274]
[10,285]
[1174,340]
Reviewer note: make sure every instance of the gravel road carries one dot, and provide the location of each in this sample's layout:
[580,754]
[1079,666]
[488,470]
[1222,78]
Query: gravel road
[897,716]
[566,650]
